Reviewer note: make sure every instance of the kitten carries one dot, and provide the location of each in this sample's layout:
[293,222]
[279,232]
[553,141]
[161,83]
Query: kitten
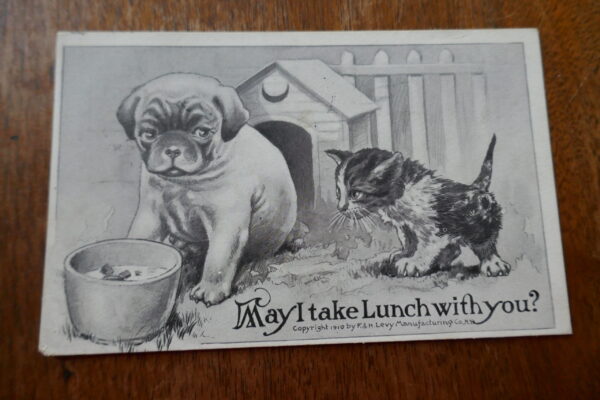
[433,216]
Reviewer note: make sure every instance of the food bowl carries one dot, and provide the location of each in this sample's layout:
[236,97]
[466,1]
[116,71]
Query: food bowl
[121,290]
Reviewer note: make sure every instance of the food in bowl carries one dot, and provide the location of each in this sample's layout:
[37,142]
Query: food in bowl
[126,272]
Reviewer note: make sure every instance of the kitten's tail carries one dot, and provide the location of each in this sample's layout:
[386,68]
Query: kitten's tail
[485,176]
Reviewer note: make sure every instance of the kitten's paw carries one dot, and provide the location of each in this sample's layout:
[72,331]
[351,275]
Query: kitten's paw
[412,267]
[209,293]
[495,266]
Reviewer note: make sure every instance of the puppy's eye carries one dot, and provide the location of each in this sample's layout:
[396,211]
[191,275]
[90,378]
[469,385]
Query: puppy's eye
[148,135]
[201,132]
[356,195]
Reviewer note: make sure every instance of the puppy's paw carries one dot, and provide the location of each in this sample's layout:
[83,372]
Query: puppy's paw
[396,255]
[209,293]
[412,267]
[495,266]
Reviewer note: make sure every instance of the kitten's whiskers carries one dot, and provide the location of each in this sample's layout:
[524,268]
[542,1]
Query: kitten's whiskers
[335,221]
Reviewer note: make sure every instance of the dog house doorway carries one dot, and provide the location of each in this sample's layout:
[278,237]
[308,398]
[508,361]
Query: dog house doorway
[295,144]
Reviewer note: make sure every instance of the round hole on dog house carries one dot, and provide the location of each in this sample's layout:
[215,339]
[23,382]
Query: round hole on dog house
[296,146]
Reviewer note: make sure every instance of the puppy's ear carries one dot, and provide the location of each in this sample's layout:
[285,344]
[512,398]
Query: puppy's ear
[234,113]
[126,113]
[339,156]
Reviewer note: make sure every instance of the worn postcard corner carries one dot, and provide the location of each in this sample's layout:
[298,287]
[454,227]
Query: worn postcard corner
[221,190]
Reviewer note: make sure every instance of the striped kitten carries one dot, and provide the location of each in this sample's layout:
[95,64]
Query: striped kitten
[433,216]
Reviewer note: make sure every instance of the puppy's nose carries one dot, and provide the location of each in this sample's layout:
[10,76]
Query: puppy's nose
[173,152]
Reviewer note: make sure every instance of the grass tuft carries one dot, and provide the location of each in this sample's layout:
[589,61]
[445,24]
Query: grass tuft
[180,325]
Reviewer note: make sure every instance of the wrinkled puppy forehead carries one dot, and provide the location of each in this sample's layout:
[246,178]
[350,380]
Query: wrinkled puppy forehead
[177,87]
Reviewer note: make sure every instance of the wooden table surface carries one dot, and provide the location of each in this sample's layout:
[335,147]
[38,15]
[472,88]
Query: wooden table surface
[546,367]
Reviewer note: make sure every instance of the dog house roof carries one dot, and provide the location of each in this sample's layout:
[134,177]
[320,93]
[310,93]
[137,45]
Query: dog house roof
[322,82]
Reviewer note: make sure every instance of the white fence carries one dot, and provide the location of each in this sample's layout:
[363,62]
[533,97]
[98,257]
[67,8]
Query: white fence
[436,109]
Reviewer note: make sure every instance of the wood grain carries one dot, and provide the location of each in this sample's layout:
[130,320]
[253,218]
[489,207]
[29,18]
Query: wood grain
[549,367]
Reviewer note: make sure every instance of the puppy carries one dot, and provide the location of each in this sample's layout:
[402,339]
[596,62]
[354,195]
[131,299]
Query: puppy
[207,176]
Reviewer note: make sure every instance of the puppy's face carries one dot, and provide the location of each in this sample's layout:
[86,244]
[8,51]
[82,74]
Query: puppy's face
[180,121]
[178,137]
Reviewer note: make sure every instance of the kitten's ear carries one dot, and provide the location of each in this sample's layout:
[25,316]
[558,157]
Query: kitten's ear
[339,156]
[391,162]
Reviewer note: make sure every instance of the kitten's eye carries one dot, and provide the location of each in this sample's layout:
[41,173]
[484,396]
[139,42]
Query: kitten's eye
[356,195]
[337,192]
[148,135]
[201,132]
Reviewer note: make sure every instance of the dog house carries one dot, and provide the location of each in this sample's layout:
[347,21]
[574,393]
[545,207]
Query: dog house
[304,108]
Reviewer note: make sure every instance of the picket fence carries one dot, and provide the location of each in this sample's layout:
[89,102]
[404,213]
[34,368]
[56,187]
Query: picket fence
[428,110]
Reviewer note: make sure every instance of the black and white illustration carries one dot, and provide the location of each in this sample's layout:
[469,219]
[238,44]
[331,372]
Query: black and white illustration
[234,190]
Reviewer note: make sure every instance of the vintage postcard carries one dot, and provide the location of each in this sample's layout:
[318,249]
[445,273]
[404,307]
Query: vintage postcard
[221,190]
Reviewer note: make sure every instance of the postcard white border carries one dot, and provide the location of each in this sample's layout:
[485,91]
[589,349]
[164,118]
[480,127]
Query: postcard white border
[539,122]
